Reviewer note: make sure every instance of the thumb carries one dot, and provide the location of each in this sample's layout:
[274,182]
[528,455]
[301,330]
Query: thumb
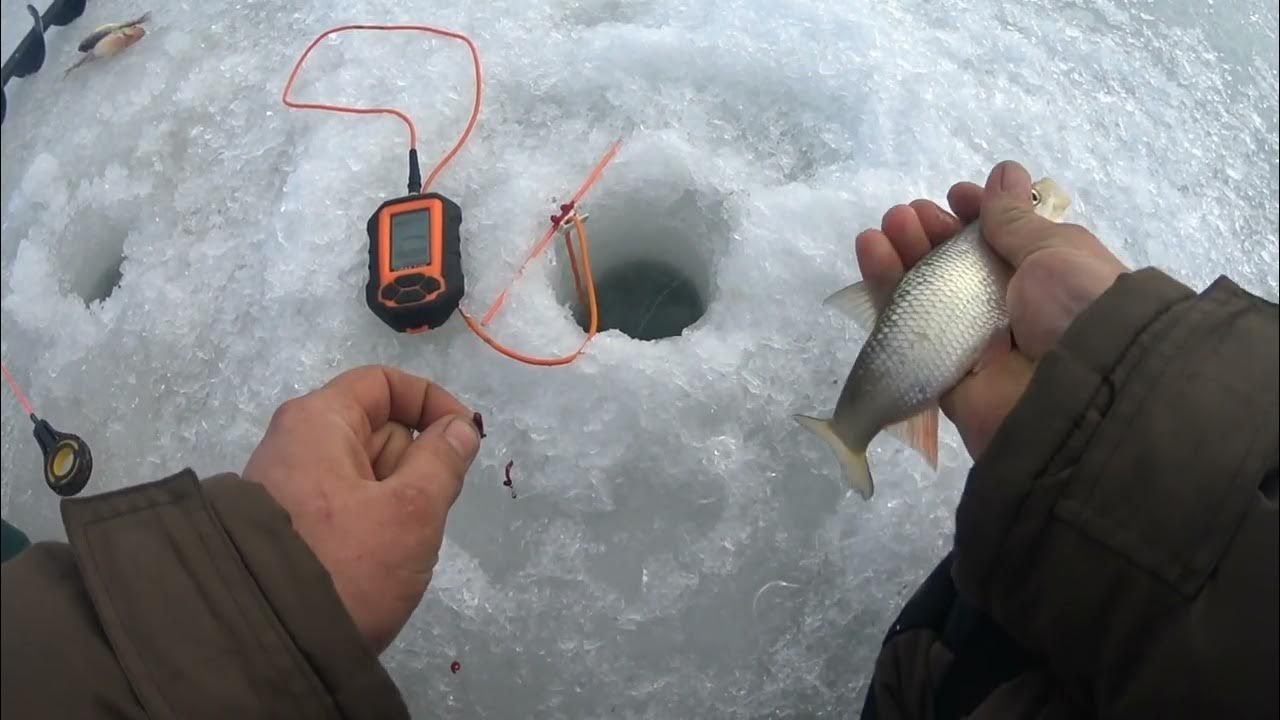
[436,461]
[1009,222]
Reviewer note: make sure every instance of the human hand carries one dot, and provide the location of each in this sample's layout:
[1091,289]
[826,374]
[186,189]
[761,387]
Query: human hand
[368,497]
[1059,269]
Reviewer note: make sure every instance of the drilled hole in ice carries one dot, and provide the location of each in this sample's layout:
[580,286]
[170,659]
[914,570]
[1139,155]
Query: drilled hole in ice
[98,272]
[652,266]
[645,300]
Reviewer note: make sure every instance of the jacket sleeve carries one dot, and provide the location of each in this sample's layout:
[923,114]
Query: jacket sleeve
[1122,524]
[182,599]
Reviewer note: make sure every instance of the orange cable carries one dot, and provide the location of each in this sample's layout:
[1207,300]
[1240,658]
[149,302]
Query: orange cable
[413,130]
[17,392]
[591,295]
[569,215]
[573,265]
[546,238]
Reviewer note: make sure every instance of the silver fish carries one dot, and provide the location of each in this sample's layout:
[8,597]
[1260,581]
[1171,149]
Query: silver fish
[925,338]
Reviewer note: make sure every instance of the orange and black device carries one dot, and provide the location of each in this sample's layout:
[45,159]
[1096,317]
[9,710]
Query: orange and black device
[415,262]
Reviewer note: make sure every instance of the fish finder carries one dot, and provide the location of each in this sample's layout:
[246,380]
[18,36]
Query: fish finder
[415,262]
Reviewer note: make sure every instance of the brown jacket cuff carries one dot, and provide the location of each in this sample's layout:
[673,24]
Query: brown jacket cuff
[1115,526]
[215,607]
[1013,487]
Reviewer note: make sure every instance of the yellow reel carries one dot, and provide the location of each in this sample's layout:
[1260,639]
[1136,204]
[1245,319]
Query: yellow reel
[67,460]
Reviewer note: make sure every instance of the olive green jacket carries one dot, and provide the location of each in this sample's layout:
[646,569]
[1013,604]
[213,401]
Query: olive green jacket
[182,599]
[1116,546]
[1118,541]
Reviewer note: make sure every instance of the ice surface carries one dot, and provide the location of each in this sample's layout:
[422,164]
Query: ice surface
[680,548]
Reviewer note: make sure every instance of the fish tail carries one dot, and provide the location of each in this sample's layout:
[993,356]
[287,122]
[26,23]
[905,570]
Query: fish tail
[854,462]
[82,61]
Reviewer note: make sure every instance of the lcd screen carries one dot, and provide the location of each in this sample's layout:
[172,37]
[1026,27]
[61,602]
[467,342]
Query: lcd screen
[410,239]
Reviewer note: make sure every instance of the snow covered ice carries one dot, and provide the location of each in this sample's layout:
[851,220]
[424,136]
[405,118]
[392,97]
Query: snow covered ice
[679,547]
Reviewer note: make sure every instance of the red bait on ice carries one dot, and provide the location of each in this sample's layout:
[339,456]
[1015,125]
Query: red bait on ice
[508,482]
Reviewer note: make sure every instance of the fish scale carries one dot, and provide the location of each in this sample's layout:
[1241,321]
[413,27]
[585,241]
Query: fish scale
[930,333]
[937,323]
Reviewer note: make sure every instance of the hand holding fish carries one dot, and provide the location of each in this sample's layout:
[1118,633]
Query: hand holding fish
[940,295]
[1059,269]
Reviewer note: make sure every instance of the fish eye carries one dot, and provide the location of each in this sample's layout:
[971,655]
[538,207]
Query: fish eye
[1035,196]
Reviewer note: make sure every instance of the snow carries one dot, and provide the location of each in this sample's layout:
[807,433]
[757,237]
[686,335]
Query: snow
[679,547]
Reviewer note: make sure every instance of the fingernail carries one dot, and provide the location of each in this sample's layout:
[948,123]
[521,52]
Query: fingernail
[463,437]
[1006,178]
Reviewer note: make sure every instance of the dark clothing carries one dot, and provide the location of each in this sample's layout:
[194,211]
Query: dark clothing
[183,600]
[1116,546]
[1115,555]
[12,541]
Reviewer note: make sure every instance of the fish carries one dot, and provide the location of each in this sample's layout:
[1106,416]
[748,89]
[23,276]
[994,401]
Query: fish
[939,324]
[109,40]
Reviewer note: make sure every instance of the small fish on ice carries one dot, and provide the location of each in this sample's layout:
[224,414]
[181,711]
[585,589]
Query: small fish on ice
[110,40]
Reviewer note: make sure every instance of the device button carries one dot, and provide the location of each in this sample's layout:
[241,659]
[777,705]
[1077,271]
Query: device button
[388,292]
[411,295]
[410,280]
[429,285]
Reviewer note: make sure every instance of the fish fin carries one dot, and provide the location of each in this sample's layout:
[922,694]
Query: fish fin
[83,60]
[920,432]
[856,471]
[1001,344]
[857,302]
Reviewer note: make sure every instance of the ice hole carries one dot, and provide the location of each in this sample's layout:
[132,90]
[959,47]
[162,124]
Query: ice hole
[98,273]
[645,300]
[653,265]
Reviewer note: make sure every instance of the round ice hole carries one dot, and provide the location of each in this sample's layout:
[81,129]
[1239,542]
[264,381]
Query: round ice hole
[643,299]
[92,260]
[654,251]
[96,281]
